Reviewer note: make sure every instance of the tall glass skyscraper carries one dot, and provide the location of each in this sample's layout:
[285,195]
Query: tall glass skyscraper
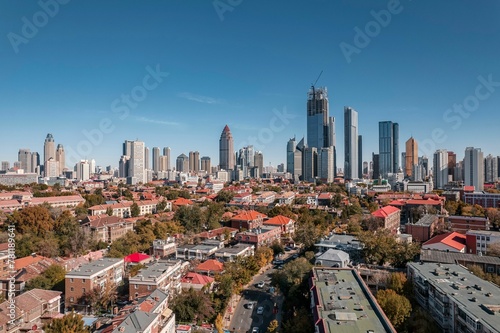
[226,150]
[388,144]
[350,143]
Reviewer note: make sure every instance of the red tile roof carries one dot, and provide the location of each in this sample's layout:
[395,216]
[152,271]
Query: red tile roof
[182,202]
[29,260]
[136,257]
[278,220]
[248,215]
[210,265]
[452,239]
[195,278]
[385,211]
[423,202]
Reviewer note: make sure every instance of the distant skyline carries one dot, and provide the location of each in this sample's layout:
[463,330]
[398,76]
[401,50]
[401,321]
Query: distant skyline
[95,74]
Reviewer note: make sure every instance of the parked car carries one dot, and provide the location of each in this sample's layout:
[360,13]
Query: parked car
[261,284]
[260,310]
[249,305]
[255,330]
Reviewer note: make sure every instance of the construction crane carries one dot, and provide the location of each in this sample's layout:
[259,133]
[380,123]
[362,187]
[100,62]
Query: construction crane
[313,84]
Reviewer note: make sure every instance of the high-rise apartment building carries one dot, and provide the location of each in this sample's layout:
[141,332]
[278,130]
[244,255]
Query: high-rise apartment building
[350,143]
[83,170]
[259,163]
[226,150]
[49,151]
[5,166]
[375,166]
[166,152]
[60,158]
[411,156]
[452,162]
[474,168]
[360,156]
[182,163]
[490,169]
[205,164]
[146,158]
[156,159]
[290,150]
[388,143]
[310,162]
[194,161]
[325,165]
[24,157]
[137,162]
[440,168]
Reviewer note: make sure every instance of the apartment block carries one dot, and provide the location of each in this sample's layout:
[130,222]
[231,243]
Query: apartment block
[107,228]
[462,224]
[479,240]
[458,300]
[95,274]
[164,275]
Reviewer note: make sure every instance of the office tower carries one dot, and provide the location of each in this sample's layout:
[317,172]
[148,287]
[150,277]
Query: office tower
[490,169]
[317,117]
[452,162]
[332,142]
[182,163]
[146,158]
[298,161]
[498,163]
[350,143]
[226,150]
[388,143]
[259,162]
[425,166]
[459,172]
[290,150]
[127,148]
[310,161]
[166,152]
[24,157]
[205,164]
[92,167]
[366,168]
[194,161]
[60,158]
[51,168]
[5,165]
[474,168]
[162,165]
[123,166]
[83,170]
[376,166]
[35,162]
[440,169]
[411,156]
[360,156]
[49,150]
[136,171]
[403,162]
[156,159]
[281,167]
[325,165]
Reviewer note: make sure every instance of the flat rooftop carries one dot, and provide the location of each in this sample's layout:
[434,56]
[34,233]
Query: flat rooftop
[344,303]
[155,270]
[427,220]
[472,294]
[94,267]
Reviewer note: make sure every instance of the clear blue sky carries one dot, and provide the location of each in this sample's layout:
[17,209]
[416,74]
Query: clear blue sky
[239,67]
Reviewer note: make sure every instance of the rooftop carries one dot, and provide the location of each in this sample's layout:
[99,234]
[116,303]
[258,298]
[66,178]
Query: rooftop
[472,294]
[427,220]
[94,267]
[385,211]
[454,257]
[155,270]
[452,239]
[344,304]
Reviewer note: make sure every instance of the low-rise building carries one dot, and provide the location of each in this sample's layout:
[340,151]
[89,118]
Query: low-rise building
[107,228]
[163,248]
[162,274]
[248,219]
[478,241]
[196,281]
[262,236]
[333,258]
[458,300]
[96,274]
[231,253]
[462,224]
[390,217]
[425,228]
[448,242]
[122,209]
[488,264]
[483,199]
[286,198]
[286,224]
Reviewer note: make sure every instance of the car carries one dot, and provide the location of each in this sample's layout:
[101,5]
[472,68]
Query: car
[295,256]
[249,305]
[255,330]
[279,267]
[261,284]
[260,310]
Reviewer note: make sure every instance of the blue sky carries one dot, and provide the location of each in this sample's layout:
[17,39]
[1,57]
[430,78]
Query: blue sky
[242,67]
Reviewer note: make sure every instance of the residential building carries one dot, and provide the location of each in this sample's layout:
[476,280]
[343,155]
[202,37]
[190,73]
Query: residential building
[182,163]
[351,143]
[388,139]
[266,197]
[326,164]
[490,169]
[122,209]
[310,161]
[411,156]
[205,164]
[425,228]
[478,241]
[194,161]
[390,218]
[210,267]
[484,199]
[474,168]
[226,150]
[163,248]
[452,162]
[440,169]
[82,170]
[333,258]
[462,224]
[196,281]
[340,300]
[247,219]
[458,300]
[107,228]
[448,242]
[156,160]
[261,236]
[201,251]
[231,253]
[95,274]
[286,224]
[360,156]
[487,263]
[137,162]
[164,275]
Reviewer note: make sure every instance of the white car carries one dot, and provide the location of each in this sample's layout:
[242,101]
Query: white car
[249,305]
[261,284]
[255,330]
[260,310]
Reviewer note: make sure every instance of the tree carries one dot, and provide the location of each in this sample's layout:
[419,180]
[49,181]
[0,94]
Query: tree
[160,207]
[224,196]
[32,219]
[493,214]
[51,279]
[193,305]
[190,217]
[493,249]
[135,210]
[135,269]
[70,323]
[273,326]
[397,281]
[306,234]
[109,211]
[396,307]
[219,325]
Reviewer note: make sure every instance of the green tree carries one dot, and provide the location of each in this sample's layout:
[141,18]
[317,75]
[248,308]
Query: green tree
[190,217]
[397,281]
[224,196]
[109,211]
[192,305]
[160,207]
[70,323]
[135,269]
[50,279]
[396,307]
[135,210]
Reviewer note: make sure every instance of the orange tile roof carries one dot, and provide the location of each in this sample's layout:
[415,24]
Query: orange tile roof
[182,202]
[211,265]
[385,211]
[195,278]
[278,220]
[423,202]
[248,215]
[452,239]
[29,260]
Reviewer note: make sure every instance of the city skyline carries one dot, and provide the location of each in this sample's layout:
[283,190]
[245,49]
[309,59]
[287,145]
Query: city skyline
[73,87]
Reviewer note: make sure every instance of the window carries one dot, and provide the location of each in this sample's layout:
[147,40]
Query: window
[72,289]
[83,280]
[149,287]
[136,286]
[71,299]
[83,290]
[71,280]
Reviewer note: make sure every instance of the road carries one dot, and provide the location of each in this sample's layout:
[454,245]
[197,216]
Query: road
[244,319]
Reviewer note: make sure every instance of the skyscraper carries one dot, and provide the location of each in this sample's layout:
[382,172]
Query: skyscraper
[490,169]
[156,159]
[226,150]
[146,158]
[310,162]
[452,162]
[317,117]
[60,158]
[83,170]
[166,152]
[194,161]
[474,168]
[290,150]
[49,151]
[5,166]
[24,157]
[411,156]
[440,169]
[388,143]
[258,163]
[375,166]
[182,163]
[137,163]
[325,164]
[205,164]
[360,156]
[350,143]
